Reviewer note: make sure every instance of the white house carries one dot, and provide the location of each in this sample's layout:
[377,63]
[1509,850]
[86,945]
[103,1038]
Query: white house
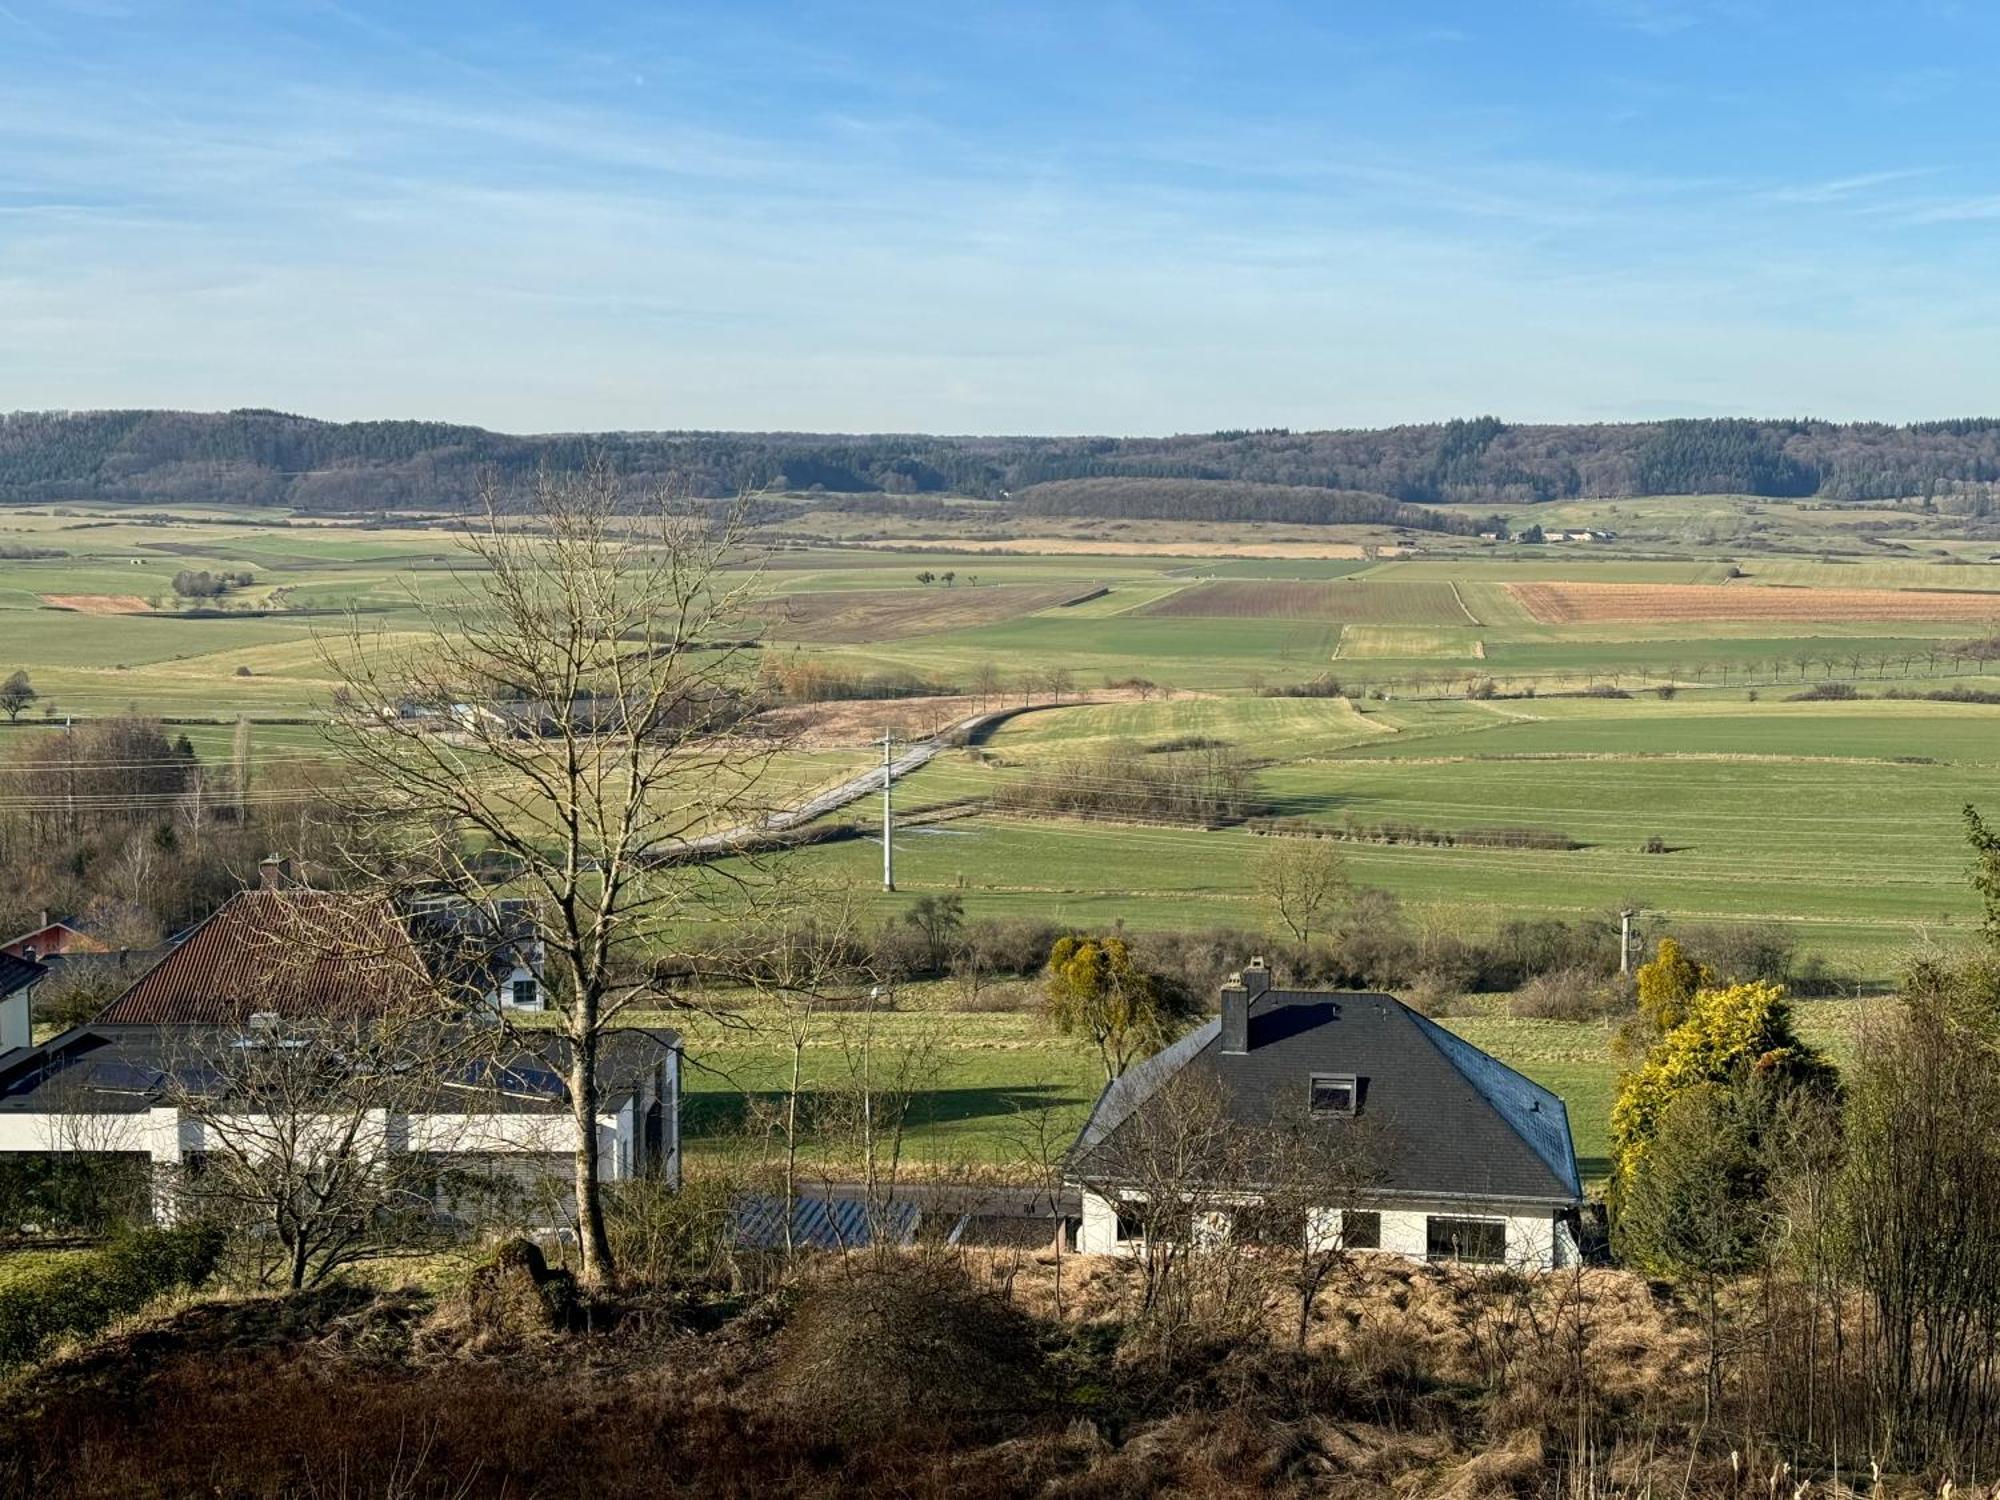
[133,1090]
[1468,1160]
[284,966]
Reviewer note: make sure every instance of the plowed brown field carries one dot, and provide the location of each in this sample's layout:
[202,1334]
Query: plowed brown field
[1671,603]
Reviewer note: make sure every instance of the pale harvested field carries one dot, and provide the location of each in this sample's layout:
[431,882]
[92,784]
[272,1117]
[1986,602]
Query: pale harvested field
[1407,642]
[859,616]
[100,604]
[1070,546]
[1594,603]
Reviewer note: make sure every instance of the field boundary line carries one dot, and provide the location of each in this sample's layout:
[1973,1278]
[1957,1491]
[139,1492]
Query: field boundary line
[1459,600]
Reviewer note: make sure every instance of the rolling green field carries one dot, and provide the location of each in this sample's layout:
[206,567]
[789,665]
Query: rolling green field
[1838,819]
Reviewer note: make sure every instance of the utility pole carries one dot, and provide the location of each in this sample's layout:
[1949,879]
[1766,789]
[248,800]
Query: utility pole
[1625,941]
[888,816]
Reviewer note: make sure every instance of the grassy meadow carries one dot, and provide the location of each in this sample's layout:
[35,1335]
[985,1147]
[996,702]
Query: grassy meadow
[1836,818]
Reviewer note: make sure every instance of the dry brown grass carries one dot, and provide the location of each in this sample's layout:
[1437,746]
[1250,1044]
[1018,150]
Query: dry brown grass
[1416,1381]
[100,604]
[1649,603]
[1166,546]
[851,723]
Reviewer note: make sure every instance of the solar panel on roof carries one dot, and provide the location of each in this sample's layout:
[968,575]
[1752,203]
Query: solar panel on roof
[757,1222]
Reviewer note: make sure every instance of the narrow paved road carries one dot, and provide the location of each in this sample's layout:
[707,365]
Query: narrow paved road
[919,753]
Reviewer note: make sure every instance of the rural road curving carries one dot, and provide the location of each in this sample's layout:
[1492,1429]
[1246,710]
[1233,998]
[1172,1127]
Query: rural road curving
[918,754]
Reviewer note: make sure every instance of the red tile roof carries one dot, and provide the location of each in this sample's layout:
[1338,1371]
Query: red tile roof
[293,952]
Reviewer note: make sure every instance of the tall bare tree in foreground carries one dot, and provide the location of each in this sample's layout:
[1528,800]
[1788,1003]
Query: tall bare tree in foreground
[566,727]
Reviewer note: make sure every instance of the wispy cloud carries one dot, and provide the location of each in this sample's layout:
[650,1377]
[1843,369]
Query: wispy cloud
[1653,17]
[1844,189]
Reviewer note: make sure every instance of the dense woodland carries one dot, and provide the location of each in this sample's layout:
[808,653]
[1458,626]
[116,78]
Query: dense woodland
[270,458]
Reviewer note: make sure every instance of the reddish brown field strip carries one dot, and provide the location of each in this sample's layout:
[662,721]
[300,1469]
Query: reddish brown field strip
[1674,603]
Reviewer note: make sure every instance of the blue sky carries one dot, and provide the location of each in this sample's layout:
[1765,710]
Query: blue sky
[1129,218]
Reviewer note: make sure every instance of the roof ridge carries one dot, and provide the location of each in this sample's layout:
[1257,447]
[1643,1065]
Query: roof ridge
[1448,1043]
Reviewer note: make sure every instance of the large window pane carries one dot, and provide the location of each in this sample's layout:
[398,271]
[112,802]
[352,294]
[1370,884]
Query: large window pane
[1482,1241]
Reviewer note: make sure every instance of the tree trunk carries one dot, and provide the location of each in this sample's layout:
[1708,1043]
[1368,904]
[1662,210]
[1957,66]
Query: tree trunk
[592,1242]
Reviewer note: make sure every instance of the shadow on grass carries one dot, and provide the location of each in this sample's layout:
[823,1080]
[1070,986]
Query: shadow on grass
[727,1113]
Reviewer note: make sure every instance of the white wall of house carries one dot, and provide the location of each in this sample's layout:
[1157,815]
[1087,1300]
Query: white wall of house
[167,1136]
[502,996]
[15,1027]
[1535,1240]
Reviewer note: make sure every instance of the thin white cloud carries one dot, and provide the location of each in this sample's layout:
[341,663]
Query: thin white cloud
[1842,189]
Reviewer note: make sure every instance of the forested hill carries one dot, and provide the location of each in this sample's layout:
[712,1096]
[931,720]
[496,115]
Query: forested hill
[265,457]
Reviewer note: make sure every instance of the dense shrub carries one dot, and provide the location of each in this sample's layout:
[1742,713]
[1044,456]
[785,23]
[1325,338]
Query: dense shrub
[1570,995]
[1827,692]
[1317,687]
[82,1293]
[1204,787]
[1399,831]
[1948,695]
[899,1347]
[1737,952]
[77,1191]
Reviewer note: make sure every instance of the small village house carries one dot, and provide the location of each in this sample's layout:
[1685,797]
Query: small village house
[281,962]
[1469,1161]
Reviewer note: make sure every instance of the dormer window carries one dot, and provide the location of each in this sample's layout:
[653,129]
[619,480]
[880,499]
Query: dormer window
[1334,1094]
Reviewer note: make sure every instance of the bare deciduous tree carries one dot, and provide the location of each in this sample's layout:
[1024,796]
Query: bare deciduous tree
[299,1123]
[1314,1178]
[568,726]
[1305,882]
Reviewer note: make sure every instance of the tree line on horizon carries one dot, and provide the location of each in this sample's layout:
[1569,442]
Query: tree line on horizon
[261,457]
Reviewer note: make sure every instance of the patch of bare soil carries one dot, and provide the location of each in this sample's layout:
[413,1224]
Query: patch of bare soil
[849,723]
[859,616]
[861,721]
[1692,603]
[99,604]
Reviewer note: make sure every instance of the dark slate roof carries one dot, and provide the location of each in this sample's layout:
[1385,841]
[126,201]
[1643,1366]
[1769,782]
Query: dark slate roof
[18,973]
[113,1069]
[1443,1117]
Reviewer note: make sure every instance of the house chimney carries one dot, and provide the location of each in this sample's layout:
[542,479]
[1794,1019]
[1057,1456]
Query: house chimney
[274,872]
[1235,1017]
[1237,993]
